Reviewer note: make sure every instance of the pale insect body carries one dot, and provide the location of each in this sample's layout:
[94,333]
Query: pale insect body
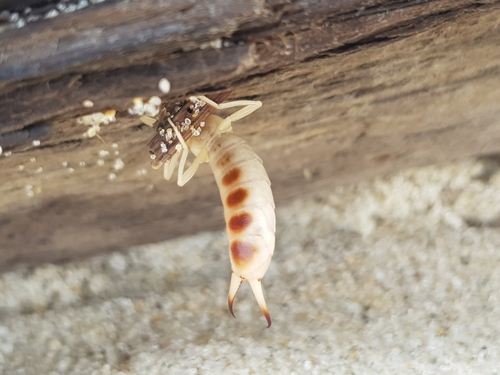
[245,192]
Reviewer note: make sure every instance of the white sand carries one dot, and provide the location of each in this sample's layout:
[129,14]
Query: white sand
[387,277]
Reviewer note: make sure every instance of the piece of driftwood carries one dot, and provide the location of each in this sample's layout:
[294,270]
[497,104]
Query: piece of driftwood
[350,90]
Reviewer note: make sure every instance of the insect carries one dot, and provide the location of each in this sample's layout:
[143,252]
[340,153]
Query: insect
[244,188]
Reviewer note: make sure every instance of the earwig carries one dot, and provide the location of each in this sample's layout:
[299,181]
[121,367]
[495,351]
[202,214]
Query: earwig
[245,192]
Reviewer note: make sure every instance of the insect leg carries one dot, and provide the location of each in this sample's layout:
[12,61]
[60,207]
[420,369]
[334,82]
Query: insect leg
[184,176]
[189,173]
[249,106]
[148,120]
[169,168]
[185,153]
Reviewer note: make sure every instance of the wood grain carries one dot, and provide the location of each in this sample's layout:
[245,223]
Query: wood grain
[351,90]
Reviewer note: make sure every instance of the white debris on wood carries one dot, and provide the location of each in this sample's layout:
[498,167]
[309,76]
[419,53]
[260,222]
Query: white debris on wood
[88,103]
[150,107]
[118,165]
[164,85]
[94,120]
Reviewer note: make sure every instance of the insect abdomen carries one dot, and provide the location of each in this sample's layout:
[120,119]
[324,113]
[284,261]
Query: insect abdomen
[248,204]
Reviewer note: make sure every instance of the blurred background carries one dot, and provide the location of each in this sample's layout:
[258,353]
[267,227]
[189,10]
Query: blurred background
[394,275]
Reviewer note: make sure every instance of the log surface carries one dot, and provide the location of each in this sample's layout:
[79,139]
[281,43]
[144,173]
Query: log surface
[351,90]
